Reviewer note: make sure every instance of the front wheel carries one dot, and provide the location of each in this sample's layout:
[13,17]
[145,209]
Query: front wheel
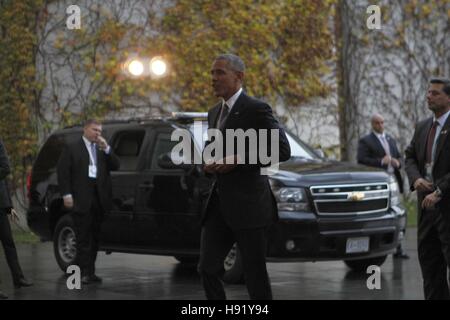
[64,242]
[361,265]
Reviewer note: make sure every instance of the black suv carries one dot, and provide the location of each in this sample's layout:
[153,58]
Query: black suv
[328,210]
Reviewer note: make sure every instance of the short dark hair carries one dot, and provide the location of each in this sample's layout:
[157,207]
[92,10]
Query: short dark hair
[88,122]
[445,82]
[234,62]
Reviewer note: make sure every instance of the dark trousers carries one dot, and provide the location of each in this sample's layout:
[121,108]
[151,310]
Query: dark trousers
[9,247]
[87,225]
[434,253]
[217,239]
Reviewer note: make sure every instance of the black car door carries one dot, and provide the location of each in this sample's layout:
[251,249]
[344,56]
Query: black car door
[127,145]
[168,204]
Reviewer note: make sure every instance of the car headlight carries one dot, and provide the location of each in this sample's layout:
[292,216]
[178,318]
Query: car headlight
[291,199]
[394,192]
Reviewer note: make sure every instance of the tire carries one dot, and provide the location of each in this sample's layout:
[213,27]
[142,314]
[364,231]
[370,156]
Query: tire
[234,270]
[64,242]
[187,260]
[362,264]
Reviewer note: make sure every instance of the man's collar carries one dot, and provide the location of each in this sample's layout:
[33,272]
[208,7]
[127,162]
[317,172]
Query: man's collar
[86,141]
[379,135]
[442,119]
[230,102]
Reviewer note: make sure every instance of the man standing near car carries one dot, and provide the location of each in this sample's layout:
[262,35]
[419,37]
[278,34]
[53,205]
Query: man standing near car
[5,228]
[85,184]
[241,205]
[379,150]
[428,169]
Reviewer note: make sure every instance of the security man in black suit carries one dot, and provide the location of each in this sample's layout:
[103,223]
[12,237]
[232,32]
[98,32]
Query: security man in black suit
[241,205]
[428,169]
[5,229]
[85,184]
[379,150]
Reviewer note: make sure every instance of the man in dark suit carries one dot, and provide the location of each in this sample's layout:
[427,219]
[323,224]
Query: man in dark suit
[241,205]
[428,169]
[378,149]
[85,184]
[5,229]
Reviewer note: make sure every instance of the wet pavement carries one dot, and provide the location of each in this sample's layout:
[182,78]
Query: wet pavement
[135,277]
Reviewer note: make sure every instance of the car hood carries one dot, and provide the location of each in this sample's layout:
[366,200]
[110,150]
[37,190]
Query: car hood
[305,173]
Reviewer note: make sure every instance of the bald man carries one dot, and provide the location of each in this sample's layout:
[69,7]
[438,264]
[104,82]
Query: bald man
[378,149]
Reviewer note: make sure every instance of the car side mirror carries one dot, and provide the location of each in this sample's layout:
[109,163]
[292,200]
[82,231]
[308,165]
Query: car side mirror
[320,152]
[165,162]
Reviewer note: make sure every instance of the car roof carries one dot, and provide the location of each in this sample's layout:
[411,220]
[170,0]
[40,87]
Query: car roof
[176,118]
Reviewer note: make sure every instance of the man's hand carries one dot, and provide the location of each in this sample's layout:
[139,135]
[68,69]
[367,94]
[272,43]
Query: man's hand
[68,202]
[228,164]
[395,163]
[423,185]
[430,200]
[13,215]
[102,144]
[386,160]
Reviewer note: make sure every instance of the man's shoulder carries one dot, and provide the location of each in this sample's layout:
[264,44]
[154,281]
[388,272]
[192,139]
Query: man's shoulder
[214,108]
[390,137]
[74,144]
[368,137]
[422,123]
[253,101]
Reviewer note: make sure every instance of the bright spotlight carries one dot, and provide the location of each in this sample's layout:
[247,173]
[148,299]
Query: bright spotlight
[135,67]
[158,66]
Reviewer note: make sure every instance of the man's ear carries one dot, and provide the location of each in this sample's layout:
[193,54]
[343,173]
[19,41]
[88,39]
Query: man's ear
[240,75]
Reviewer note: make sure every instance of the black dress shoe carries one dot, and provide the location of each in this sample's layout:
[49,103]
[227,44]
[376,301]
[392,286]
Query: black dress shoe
[3,296]
[22,282]
[400,255]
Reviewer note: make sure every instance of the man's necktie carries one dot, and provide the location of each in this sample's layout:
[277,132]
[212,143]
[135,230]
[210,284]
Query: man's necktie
[387,150]
[430,142]
[385,145]
[94,153]
[223,116]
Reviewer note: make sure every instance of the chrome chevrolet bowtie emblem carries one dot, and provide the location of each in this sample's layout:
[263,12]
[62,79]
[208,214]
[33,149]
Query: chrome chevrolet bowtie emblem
[356,196]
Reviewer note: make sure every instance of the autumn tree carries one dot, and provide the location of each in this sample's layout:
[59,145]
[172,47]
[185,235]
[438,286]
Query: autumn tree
[285,44]
[387,70]
[19,89]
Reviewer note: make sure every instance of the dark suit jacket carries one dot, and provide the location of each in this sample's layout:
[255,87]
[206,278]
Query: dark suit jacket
[73,177]
[415,161]
[5,199]
[246,199]
[371,152]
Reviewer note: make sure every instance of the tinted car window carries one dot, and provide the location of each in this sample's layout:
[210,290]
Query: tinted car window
[127,146]
[51,151]
[163,145]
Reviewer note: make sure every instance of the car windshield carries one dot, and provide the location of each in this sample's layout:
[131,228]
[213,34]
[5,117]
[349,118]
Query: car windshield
[299,149]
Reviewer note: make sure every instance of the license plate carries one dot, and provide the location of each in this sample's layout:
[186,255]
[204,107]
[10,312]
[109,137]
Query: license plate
[355,245]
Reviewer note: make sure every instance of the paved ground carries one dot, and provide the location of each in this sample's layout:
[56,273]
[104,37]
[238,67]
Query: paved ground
[134,277]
